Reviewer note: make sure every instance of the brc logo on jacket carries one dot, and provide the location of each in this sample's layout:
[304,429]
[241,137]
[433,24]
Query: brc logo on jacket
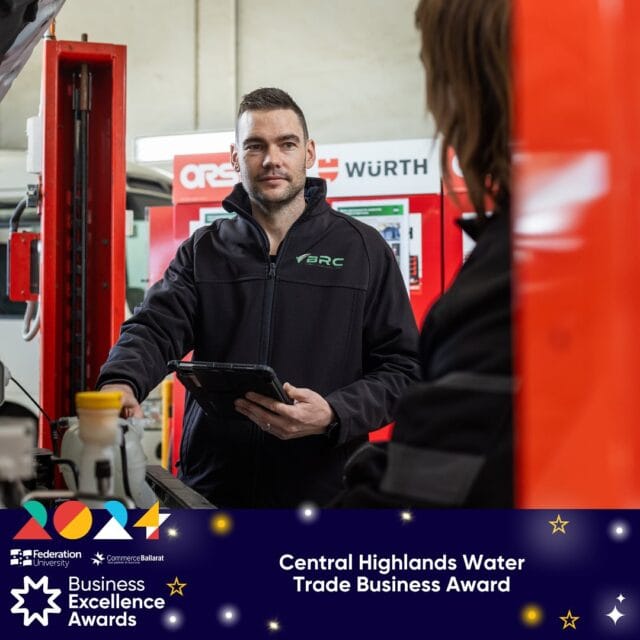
[321,261]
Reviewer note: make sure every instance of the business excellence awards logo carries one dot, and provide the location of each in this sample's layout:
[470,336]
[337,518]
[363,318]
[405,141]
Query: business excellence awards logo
[96,602]
[41,615]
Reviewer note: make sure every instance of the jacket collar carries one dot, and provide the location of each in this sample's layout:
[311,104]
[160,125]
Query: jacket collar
[474,226]
[315,192]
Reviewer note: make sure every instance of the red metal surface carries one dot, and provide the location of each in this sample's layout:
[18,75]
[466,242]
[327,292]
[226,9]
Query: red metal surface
[162,244]
[576,248]
[184,214]
[106,249]
[20,252]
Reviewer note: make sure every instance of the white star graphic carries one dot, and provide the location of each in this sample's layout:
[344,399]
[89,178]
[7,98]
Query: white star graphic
[27,585]
[615,615]
[620,598]
[406,516]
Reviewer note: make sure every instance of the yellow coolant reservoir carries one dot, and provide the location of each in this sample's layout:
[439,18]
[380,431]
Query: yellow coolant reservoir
[98,429]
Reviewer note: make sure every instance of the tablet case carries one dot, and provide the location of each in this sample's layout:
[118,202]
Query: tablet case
[216,385]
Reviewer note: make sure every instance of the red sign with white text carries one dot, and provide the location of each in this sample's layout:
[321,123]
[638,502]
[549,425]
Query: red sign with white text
[208,177]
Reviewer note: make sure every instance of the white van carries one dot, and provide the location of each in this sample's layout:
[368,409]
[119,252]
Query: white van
[145,187]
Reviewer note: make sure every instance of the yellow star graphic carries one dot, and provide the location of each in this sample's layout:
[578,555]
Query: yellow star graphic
[569,620]
[558,524]
[176,587]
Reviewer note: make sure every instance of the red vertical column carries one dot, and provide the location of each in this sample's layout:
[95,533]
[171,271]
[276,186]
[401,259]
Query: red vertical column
[104,260]
[576,231]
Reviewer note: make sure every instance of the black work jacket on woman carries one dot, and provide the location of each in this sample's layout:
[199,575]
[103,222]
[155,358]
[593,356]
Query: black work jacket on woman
[331,314]
[452,444]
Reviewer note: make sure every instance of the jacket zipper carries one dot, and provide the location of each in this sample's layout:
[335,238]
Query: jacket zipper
[265,341]
[270,293]
[264,353]
[268,312]
[258,437]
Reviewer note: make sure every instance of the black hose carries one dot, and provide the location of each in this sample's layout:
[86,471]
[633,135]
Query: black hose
[14,221]
[123,457]
[42,411]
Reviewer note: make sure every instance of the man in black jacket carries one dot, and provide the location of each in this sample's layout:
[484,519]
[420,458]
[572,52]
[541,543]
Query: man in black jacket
[287,282]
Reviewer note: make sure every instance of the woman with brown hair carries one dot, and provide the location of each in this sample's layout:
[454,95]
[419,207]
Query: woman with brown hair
[452,444]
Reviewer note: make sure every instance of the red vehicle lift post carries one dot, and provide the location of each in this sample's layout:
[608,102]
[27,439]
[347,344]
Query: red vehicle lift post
[82,283]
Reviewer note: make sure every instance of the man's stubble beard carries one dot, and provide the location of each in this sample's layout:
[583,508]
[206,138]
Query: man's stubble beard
[273,205]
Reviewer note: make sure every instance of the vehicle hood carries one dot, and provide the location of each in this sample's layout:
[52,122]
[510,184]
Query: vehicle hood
[22,24]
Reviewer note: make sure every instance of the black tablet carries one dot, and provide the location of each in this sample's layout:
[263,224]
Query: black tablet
[215,385]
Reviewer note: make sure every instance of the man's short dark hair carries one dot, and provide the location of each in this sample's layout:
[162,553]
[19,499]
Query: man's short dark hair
[268,99]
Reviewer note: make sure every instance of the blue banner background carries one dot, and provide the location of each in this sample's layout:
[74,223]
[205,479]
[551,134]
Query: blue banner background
[583,570]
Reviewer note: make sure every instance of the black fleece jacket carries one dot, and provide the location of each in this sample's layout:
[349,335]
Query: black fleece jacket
[331,314]
[452,445]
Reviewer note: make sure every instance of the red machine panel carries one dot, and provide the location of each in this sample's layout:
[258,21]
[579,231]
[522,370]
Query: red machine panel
[576,235]
[162,242]
[83,256]
[23,275]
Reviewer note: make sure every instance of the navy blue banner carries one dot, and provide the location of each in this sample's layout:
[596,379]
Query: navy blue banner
[76,573]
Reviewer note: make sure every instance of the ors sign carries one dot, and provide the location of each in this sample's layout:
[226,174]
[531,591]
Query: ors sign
[205,177]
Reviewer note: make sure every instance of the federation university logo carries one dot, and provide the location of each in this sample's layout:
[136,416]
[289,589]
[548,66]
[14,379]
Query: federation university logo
[21,557]
[33,591]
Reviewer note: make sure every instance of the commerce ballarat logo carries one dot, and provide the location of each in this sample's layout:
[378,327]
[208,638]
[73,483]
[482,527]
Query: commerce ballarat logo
[73,520]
